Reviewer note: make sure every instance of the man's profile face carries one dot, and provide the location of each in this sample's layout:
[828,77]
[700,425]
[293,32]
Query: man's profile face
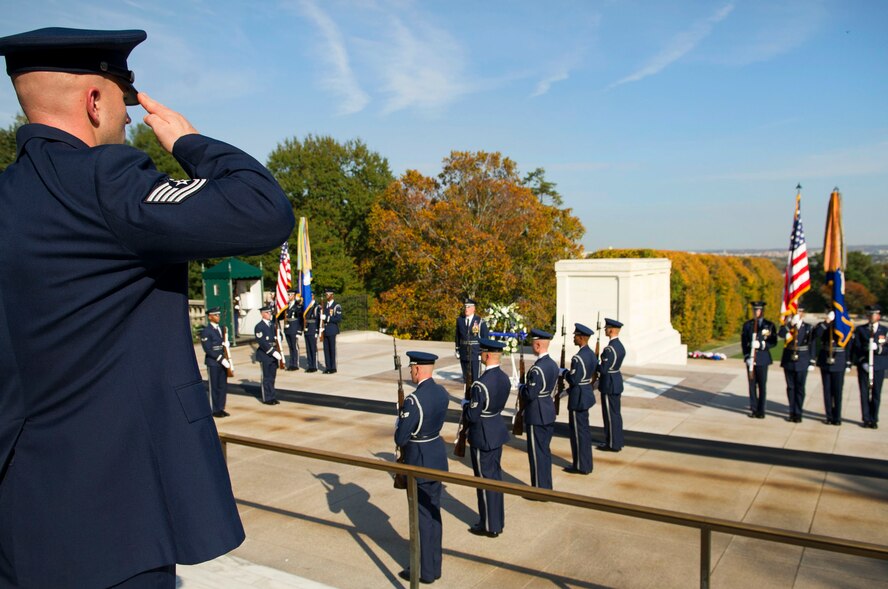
[112,126]
[214,317]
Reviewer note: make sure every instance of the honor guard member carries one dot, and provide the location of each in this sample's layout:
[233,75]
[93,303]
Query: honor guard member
[469,329]
[487,434]
[870,355]
[796,361]
[756,339]
[332,319]
[267,355]
[580,398]
[217,364]
[833,361]
[610,385]
[539,409]
[117,471]
[418,433]
[311,318]
[293,330]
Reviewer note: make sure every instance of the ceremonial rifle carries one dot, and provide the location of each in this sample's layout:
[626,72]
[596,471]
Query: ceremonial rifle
[560,388]
[400,479]
[459,446]
[753,345]
[597,349]
[830,348]
[225,353]
[870,376]
[794,332]
[277,345]
[518,418]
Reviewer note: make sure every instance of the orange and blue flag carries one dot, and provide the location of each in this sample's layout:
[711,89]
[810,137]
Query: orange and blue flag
[303,264]
[833,266]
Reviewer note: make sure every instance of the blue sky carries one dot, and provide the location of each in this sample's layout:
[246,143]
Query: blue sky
[673,125]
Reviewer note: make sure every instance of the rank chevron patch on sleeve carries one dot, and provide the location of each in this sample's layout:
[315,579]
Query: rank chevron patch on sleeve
[173,192]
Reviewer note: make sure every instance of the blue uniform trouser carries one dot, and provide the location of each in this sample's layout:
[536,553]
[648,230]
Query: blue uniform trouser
[430,528]
[580,440]
[758,389]
[833,383]
[613,421]
[795,390]
[539,455]
[491,511]
[293,344]
[269,372]
[311,351]
[218,378]
[471,363]
[330,351]
[869,403]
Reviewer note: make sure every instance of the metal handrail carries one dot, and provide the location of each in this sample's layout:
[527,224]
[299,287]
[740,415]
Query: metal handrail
[706,525]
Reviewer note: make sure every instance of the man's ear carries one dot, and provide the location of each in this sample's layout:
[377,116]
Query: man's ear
[93,95]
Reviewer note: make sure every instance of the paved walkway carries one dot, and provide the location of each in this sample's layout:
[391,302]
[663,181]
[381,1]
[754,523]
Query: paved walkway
[690,447]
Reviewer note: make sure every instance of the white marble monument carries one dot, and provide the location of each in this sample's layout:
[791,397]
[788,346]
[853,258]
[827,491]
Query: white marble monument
[634,291]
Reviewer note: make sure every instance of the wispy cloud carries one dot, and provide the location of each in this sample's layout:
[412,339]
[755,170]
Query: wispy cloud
[545,84]
[421,65]
[339,79]
[681,45]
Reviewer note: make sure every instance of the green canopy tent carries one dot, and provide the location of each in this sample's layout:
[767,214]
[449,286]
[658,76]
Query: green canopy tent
[233,283]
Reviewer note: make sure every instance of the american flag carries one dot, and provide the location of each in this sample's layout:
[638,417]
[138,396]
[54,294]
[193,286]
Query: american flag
[284,281]
[797,278]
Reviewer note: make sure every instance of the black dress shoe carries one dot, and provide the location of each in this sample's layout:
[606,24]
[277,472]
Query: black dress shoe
[291,369]
[826,421]
[326,372]
[405,574]
[603,447]
[220,414]
[572,470]
[311,369]
[752,415]
[875,425]
[272,402]
[332,371]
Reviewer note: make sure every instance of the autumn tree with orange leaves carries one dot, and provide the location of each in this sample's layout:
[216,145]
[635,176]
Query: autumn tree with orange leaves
[477,230]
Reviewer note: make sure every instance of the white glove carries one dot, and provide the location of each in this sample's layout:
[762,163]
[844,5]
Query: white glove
[749,362]
[873,346]
[810,368]
[226,363]
[766,332]
[831,316]
[277,355]
[226,343]
[796,320]
[763,344]
[456,354]
[864,367]
[848,368]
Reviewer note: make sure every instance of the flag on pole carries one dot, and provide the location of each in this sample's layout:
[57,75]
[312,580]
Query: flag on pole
[833,266]
[303,264]
[283,282]
[797,278]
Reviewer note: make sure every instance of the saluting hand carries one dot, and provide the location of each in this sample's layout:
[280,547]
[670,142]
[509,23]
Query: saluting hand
[167,124]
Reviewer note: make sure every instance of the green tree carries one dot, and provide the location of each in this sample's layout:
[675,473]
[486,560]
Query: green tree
[142,137]
[7,141]
[334,185]
[477,231]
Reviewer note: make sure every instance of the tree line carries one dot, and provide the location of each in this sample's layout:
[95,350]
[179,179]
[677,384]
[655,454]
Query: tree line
[417,245]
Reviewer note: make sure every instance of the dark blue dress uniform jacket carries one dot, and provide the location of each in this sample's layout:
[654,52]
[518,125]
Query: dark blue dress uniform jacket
[762,357]
[420,423]
[541,380]
[265,340]
[860,346]
[109,460]
[580,396]
[332,318]
[610,381]
[800,346]
[489,395]
[211,341]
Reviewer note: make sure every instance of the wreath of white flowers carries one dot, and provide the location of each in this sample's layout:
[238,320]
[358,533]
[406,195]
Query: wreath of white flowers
[505,319]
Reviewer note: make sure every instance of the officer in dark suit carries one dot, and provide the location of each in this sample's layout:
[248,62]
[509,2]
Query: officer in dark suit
[418,433]
[268,357]
[580,398]
[833,361]
[311,317]
[539,409]
[293,330]
[469,329]
[756,339]
[217,364]
[796,361]
[869,353]
[117,471]
[610,384]
[332,318]
[487,434]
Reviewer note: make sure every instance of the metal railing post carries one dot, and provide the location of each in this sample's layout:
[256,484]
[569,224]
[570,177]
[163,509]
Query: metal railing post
[413,518]
[705,555]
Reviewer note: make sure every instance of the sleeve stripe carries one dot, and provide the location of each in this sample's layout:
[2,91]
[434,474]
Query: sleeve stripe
[170,193]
